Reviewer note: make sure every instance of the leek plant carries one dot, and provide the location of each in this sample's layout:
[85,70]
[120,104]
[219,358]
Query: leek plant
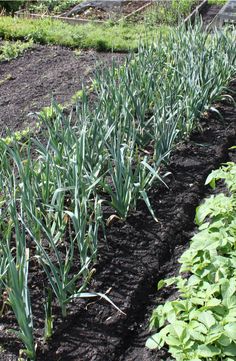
[129,176]
[48,329]
[16,284]
[61,281]
[3,272]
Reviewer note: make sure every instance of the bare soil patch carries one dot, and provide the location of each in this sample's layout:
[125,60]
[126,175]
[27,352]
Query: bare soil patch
[210,13]
[114,12]
[28,83]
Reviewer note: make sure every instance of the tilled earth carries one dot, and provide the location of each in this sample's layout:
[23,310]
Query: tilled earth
[210,13]
[29,82]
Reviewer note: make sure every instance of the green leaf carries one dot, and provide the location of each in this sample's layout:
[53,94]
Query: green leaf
[161,284]
[197,326]
[224,340]
[229,302]
[211,338]
[197,335]
[230,350]
[207,319]
[173,341]
[178,328]
[153,342]
[171,316]
[208,351]
[230,330]
[200,215]
[211,180]
[228,288]
[213,302]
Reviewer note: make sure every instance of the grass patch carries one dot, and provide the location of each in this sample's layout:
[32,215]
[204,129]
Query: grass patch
[217,2]
[118,37]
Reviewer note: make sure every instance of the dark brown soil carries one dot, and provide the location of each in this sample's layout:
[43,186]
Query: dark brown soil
[210,13]
[28,83]
[137,254]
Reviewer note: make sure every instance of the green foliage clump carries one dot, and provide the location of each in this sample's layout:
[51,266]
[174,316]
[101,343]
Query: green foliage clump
[169,13]
[52,6]
[217,2]
[116,37]
[10,49]
[17,136]
[49,112]
[201,323]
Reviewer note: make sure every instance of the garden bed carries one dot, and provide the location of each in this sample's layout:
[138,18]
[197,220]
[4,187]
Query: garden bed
[83,208]
[28,83]
[210,13]
[162,12]
[137,253]
[156,12]
[94,11]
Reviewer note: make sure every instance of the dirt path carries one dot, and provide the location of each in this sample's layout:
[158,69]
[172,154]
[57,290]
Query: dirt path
[28,83]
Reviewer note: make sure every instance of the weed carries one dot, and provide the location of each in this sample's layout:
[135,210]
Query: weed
[10,50]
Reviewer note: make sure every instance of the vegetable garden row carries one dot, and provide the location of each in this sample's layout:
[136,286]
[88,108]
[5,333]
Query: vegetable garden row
[201,322]
[62,190]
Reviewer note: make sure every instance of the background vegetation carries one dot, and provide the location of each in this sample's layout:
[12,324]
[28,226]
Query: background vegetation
[201,323]
[117,37]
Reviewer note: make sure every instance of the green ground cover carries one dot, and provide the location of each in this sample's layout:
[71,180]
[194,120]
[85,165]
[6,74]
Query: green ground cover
[10,50]
[200,324]
[123,36]
[117,37]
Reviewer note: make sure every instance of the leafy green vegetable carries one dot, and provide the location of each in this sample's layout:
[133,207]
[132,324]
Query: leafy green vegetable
[201,323]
